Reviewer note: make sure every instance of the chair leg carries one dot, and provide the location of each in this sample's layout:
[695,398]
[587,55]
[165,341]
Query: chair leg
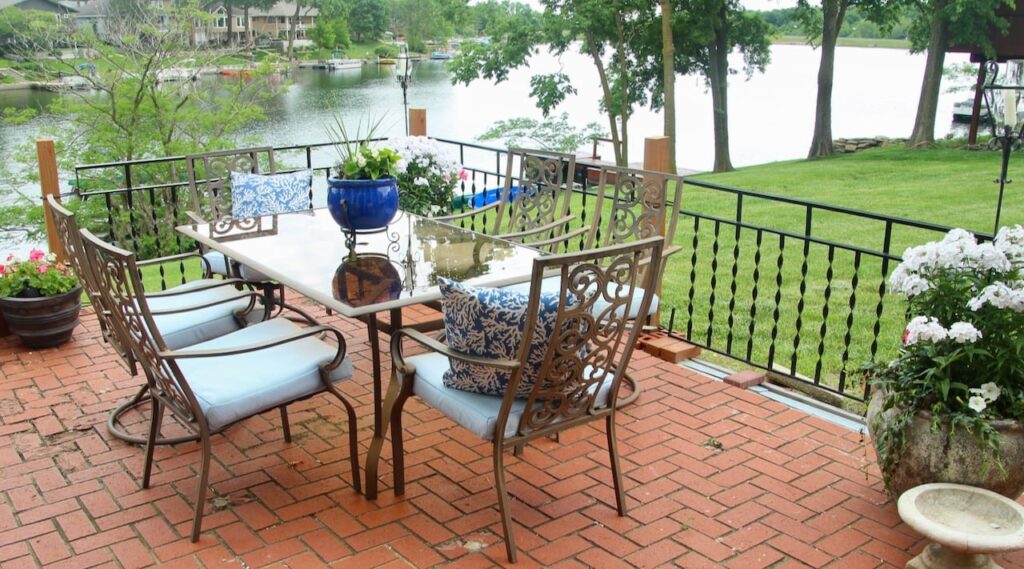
[353,439]
[204,475]
[504,508]
[613,452]
[284,424]
[156,417]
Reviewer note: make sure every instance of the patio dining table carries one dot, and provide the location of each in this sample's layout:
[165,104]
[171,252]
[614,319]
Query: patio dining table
[373,273]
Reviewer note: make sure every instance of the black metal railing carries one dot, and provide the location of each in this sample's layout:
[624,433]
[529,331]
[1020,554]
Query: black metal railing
[782,284]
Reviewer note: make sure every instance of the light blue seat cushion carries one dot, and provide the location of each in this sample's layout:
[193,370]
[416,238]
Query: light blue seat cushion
[219,266]
[230,388]
[255,195]
[488,322]
[476,412]
[554,284]
[182,329]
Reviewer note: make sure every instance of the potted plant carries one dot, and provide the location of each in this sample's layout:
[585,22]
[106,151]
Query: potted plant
[363,194]
[950,407]
[39,299]
[427,175]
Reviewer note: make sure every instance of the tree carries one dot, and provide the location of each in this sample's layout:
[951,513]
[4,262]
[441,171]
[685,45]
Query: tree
[422,20]
[24,29]
[608,33]
[257,4]
[131,113]
[937,24]
[554,133]
[330,33]
[826,25]
[368,19]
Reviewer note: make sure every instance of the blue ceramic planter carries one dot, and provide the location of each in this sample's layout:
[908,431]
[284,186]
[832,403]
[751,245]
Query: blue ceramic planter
[362,205]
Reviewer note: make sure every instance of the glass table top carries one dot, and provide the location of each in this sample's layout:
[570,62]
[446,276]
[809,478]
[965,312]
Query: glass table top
[395,267]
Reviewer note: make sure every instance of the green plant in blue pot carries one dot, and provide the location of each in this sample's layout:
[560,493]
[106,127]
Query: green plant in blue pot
[363,195]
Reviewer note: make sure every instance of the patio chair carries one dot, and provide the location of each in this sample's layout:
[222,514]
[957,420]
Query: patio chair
[631,204]
[186,314]
[212,385]
[575,345]
[534,202]
[209,180]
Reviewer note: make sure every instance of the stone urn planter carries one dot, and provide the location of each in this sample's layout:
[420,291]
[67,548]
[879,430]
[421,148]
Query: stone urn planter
[935,456]
[42,321]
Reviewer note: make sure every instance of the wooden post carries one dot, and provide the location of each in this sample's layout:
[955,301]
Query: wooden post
[50,185]
[656,154]
[417,121]
[657,158]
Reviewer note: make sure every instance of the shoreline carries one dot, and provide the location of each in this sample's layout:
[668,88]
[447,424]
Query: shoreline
[881,43]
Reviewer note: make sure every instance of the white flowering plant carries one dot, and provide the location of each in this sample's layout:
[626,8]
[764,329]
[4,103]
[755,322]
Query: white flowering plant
[963,350]
[427,175]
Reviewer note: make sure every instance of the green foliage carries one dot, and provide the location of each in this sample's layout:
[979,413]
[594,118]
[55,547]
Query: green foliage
[386,51]
[368,19]
[428,20]
[553,133]
[21,29]
[39,275]
[970,22]
[332,33]
[370,163]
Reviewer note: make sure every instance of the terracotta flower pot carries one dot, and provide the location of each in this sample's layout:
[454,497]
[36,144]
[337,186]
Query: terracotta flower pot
[45,321]
[935,456]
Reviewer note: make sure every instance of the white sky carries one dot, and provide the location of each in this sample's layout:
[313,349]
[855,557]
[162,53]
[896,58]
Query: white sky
[750,4]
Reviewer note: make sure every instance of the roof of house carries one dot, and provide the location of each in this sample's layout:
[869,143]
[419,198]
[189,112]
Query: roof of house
[56,5]
[279,9]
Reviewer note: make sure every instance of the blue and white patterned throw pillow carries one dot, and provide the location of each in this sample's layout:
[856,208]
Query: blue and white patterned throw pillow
[488,322]
[254,195]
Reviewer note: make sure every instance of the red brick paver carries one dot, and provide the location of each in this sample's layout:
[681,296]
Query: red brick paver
[784,490]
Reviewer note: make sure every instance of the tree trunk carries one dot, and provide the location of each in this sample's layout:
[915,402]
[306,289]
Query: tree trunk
[606,90]
[248,29]
[927,106]
[834,13]
[231,23]
[668,54]
[291,28]
[624,89]
[718,76]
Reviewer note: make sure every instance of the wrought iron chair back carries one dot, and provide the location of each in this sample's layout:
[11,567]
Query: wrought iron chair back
[536,195]
[70,239]
[209,177]
[635,204]
[593,341]
[117,278]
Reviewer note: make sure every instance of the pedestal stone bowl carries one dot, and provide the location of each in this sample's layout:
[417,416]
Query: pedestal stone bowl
[965,523]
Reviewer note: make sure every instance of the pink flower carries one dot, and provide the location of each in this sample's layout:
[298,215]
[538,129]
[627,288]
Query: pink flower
[36,255]
[10,258]
[43,268]
[3,269]
[463,174]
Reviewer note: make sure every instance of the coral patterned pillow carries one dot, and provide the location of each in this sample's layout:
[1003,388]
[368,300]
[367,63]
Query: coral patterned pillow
[488,322]
[254,195]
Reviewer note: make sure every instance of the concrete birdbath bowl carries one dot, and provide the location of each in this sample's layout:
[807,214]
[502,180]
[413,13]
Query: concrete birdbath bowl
[965,523]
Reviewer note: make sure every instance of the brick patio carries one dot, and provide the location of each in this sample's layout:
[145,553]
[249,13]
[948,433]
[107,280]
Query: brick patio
[784,490]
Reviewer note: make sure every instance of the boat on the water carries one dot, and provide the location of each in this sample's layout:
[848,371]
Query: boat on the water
[235,73]
[440,55]
[336,64]
[386,61]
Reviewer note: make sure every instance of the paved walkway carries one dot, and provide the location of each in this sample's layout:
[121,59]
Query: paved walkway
[715,476]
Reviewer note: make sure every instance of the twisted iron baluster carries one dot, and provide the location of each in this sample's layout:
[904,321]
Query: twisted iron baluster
[824,314]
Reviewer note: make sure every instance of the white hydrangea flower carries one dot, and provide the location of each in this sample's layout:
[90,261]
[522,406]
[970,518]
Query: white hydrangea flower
[964,333]
[1010,240]
[925,329]
[421,181]
[360,160]
[999,295]
[977,403]
[911,285]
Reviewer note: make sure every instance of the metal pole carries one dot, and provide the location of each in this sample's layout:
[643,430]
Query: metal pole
[1007,139]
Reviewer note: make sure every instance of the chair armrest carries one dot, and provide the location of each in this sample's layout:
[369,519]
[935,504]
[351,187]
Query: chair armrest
[465,214]
[195,217]
[251,295]
[207,286]
[312,331]
[436,346]
[556,240]
[546,227]
[669,251]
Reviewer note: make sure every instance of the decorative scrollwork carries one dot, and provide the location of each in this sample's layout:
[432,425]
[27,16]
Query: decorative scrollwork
[540,184]
[591,326]
[210,177]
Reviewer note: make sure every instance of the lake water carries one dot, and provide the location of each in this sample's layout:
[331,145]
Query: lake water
[770,116]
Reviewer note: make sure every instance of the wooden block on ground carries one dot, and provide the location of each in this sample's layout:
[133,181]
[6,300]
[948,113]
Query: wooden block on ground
[746,379]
